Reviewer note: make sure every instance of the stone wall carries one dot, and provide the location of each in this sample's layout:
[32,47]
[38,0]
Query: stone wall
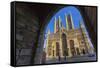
[27,27]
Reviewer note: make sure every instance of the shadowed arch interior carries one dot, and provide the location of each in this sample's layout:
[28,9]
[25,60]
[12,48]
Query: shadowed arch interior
[64,45]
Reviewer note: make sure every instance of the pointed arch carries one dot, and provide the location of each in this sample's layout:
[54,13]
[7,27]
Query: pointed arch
[72,47]
[64,45]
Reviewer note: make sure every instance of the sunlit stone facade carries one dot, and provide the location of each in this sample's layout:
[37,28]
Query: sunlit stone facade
[67,42]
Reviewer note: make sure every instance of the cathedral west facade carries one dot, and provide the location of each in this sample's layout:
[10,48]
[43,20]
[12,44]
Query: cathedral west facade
[67,42]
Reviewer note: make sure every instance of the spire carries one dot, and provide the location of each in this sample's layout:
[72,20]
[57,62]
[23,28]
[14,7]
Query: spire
[48,31]
[63,27]
[81,24]
[66,21]
[72,21]
[69,21]
[55,25]
[60,22]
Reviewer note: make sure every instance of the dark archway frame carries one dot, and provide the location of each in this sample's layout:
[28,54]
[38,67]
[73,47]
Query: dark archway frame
[88,23]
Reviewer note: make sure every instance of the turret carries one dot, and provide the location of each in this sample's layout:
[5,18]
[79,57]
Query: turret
[55,25]
[66,21]
[59,22]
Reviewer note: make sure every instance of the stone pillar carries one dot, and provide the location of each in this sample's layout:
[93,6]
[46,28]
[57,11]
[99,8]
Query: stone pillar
[39,51]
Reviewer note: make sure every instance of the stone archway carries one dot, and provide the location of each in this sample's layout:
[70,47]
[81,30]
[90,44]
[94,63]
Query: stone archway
[82,11]
[43,13]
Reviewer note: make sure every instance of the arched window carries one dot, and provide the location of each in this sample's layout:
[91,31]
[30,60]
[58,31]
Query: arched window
[72,47]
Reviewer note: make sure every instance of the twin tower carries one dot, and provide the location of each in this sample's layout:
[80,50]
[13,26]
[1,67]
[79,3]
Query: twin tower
[58,23]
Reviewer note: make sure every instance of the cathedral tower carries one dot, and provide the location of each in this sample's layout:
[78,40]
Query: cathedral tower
[69,21]
[66,22]
[57,25]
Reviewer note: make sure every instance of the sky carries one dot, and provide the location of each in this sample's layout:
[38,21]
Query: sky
[76,16]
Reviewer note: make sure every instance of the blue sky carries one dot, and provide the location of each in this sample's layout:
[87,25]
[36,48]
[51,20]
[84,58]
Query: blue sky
[70,9]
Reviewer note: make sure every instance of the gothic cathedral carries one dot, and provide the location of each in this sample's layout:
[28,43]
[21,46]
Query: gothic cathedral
[67,42]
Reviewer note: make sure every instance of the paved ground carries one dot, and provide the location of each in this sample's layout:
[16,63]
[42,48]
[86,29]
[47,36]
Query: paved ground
[73,59]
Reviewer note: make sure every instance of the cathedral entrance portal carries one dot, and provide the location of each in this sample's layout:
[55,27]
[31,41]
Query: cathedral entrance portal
[64,46]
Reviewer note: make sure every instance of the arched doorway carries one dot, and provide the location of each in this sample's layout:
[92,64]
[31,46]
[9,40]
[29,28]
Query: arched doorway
[64,45]
[72,48]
